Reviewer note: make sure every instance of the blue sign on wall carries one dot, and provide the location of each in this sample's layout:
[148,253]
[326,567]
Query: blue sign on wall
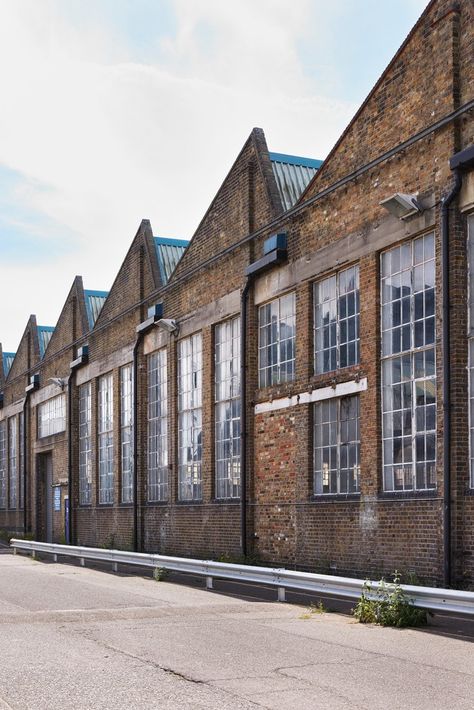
[57,498]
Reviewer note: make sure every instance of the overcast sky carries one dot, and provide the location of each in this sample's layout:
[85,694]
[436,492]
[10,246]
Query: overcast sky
[118,110]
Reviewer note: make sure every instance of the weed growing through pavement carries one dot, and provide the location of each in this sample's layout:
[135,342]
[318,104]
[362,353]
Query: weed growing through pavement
[388,605]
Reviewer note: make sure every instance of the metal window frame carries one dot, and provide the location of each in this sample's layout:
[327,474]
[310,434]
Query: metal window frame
[3,464]
[126,405]
[412,351]
[317,283]
[235,357]
[12,429]
[48,414]
[263,370]
[106,436]
[338,445]
[470,338]
[162,486]
[191,339]
[85,493]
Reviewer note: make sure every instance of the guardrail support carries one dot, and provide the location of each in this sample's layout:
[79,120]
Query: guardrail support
[55,558]
[431,598]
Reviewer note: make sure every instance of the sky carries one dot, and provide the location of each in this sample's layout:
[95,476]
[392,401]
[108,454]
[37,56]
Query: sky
[117,110]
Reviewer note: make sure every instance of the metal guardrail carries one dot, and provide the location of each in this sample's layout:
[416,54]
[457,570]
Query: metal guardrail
[432,598]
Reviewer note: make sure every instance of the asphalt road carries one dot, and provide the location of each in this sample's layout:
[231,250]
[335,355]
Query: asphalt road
[83,638]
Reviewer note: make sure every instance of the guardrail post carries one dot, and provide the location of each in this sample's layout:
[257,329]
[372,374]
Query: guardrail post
[209,583]
[281,594]
[15,551]
[114,566]
[55,557]
[33,554]
[82,561]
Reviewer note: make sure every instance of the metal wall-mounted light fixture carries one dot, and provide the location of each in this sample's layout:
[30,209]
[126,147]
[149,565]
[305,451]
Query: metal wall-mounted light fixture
[58,381]
[402,206]
[155,312]
[168,324]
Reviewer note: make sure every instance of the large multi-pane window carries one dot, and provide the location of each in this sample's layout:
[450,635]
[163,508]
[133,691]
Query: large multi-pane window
[276,341]
[3,464]
[408,366]
[336,446]
[106,439]
[336,321]
[190,417]
[85,444]
[21,460]
[12,461]
[227,408]
[126,432]
[52,416]
[157,426]
[470,225]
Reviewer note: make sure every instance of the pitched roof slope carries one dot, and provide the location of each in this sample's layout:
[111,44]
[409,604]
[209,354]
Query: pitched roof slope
[169,252]
[27,355]
[293,174]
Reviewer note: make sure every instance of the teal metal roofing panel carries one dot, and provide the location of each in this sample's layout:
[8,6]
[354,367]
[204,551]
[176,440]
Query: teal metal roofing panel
[169,252]
[293,175]
[94,303]
[7,362]
[44,336]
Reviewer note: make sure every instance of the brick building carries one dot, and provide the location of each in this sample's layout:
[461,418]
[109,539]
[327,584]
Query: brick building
[311,348]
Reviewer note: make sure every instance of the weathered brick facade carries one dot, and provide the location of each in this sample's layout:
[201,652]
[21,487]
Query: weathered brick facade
[418,115]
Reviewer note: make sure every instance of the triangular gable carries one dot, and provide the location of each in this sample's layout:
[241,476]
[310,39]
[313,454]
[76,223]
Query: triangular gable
[247,199]
[404,100]
[138,276]
[72,322]
[27,355]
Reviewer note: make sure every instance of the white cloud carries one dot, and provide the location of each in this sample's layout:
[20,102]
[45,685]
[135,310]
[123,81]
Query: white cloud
[115,140]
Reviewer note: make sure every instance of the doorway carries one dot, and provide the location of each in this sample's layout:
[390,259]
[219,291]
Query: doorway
[46,496]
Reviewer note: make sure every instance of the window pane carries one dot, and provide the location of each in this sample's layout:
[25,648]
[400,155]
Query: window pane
[157,489]
[276,341]
[227,409]
[85,444]
[408,380]
[336,321]
[106,439]
[336,446]
[126,432]
[189,418]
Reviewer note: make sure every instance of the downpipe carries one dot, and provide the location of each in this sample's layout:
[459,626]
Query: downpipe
[243,416]
[135,442]
[447,523]
[25,462]
[71,536]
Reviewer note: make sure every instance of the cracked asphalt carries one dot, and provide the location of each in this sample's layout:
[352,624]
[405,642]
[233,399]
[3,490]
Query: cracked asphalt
[73,637]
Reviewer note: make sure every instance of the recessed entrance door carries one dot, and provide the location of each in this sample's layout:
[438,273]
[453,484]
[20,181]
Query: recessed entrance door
[48,496]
